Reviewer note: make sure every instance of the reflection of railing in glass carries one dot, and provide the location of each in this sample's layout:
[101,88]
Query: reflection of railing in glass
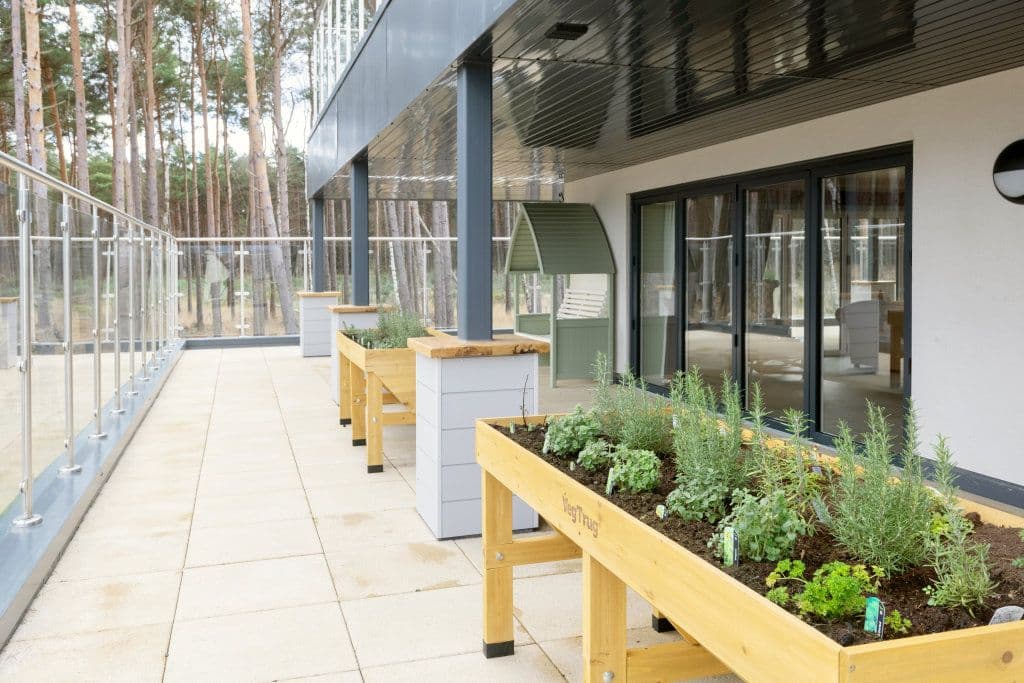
[408,272]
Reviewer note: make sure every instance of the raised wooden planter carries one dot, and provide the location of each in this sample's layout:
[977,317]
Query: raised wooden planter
[725,625]
[369,379]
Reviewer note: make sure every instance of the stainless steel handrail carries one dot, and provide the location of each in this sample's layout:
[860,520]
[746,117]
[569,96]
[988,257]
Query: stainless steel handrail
[20,167]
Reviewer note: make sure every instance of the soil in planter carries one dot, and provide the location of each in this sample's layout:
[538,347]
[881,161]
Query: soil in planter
[904,592]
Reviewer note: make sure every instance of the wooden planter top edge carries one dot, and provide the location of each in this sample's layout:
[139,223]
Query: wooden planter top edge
[765,642]
[346,308]
[447,346]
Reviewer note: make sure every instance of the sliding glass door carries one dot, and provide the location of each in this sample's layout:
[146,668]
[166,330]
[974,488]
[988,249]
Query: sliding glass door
[797,280]
[774,225]
[659,326]
[709,254]
[863,224]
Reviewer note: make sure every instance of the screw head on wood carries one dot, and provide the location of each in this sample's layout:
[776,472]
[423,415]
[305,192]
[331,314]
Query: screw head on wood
[609,676]
[499,556]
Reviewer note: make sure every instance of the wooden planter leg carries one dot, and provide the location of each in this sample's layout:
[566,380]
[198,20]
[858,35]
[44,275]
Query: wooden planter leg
[375,426]
[604,624]
[358,384]
[344,391]
[497,530]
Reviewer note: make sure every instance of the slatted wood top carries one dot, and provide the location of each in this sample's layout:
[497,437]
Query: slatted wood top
[448,346]
[315,295]
[8,299]
[353,309]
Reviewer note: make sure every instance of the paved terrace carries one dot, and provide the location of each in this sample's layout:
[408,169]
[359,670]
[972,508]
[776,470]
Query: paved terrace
[240,538]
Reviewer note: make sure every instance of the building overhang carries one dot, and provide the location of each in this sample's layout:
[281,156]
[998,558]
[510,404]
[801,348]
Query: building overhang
[647,79]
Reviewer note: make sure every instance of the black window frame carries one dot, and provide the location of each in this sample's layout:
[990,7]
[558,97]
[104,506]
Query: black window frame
[812,172]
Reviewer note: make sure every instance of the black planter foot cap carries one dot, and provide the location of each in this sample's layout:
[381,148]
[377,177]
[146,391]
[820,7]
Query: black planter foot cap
[358,442]
[492,650]
[373,469]
[661,624]
[345,421]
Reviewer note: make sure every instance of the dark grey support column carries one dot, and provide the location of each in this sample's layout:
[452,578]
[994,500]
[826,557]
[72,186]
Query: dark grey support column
[360,203]
[473,200]
[318,255]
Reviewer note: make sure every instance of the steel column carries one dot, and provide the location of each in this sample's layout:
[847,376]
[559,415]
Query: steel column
[318,252]
[473,200]
[360,205]
[27,517]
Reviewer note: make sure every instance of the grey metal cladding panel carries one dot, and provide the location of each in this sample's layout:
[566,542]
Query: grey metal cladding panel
[414,42]
[421,44]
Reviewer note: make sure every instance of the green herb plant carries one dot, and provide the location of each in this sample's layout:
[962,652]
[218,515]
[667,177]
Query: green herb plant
[708,453]
[882,520]
[836,591]
[596,455]
[629,414]
[896,623]
[393,331]
[767,527]
[700,496]
[636,470]
[962,577]
[569,434]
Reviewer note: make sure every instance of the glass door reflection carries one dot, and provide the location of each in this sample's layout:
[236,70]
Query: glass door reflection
[659,327]
[774,225]
[709,320]
[862,295]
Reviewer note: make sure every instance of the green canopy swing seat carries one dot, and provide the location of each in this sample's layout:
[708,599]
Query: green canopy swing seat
[556,239]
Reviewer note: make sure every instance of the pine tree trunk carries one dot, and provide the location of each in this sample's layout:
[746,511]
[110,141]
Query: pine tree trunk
[37,153]
[281,145]
[278,266]
[81,132]
[58,132]
[197,270]
[152,170]
[216,288]
[18,71]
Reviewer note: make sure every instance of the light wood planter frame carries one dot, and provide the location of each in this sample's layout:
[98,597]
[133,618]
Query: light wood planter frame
[725,625]
[369,379]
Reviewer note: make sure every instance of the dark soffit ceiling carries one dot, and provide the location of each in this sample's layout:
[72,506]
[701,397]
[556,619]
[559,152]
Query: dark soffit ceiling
[652,78]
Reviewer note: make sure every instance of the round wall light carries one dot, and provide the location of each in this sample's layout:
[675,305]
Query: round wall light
[1008,172]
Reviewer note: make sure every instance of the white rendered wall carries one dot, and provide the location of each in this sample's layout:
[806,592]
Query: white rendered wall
[968,246]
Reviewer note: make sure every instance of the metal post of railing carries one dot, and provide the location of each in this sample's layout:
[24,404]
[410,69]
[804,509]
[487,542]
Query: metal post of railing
[131,311]
[27,518]
[144,303]
[158,299]
[178,253]
[164,287]
[118,394]
[97,339]
[241,293]
[69,362]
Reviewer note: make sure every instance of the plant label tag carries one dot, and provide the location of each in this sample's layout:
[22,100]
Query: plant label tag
[730,547]
[675,422]
[572,465]
[816,469]
[874,616]
[820,510]
[610,486]
[661,511]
